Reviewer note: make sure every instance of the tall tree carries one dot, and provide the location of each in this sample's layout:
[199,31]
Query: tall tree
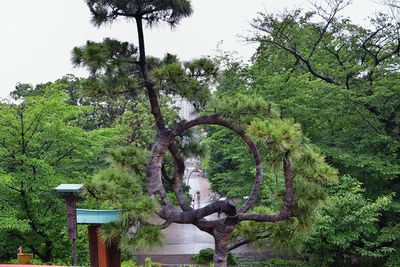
[287,141]
[334,61]
[41,147]
[327,73]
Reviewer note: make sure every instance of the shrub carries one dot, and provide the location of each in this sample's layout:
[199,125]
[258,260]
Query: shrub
[129,263]
[206,256]
[149,263]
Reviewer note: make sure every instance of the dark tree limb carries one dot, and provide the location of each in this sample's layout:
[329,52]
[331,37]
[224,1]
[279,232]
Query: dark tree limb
[180,172]
[245,242]
[215,120]
[170,213]
[155,110]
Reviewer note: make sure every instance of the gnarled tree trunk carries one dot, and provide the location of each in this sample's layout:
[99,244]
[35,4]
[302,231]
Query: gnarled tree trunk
[222,233]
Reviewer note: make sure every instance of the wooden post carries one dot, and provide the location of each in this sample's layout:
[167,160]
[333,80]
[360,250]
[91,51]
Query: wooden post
[70,191]
[114,255]
[93,249]
[101,254]
[71,222]
[102,251]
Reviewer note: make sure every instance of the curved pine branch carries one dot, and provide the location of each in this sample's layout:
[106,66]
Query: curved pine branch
[215,120]
[171,213]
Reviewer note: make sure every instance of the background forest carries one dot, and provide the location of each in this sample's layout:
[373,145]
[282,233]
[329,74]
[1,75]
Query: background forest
[319,82]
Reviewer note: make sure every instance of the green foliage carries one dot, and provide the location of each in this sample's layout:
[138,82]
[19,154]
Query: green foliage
[344,91]
[190,80]
[282,135]
[101,102]
[271,263]
[206,255]
[115,78]
[338,85]
[116,188]
[344,229]
[338,80]
[114,86]
[42,147]
[229,163]
[149,263]
[128,263]
[154,11]
[285,137]
[108,57]
[348,226]
[243,107]
[230,170]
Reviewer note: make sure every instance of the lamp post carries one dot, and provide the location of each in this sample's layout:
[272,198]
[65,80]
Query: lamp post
[70,193]
[194,170]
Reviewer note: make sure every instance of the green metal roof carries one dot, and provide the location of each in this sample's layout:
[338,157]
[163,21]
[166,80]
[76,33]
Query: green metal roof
[85,216]
[69,188]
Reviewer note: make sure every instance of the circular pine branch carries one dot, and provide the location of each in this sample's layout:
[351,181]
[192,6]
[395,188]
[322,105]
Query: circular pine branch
[168,211]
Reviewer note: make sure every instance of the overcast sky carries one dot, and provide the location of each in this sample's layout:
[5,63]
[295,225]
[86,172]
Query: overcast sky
[37,36]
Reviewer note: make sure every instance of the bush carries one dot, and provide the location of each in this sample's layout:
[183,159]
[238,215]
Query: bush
[129,263]
[149,263]
[231,259]
[206,256]
[272,263]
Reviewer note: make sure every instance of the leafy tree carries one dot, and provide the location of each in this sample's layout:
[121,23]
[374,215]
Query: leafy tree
[347,229]
[346,94]
[191,81]
[102,101]
[40,148]
[339,80]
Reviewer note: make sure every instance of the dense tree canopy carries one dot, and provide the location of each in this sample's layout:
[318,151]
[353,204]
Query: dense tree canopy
[41,147]
[340,81]
[332,61]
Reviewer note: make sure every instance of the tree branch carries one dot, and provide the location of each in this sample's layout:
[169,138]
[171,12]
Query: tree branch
[285,213]
[244,242]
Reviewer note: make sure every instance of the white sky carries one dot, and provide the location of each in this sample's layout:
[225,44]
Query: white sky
[36,37]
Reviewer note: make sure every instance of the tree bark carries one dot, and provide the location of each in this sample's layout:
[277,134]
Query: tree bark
[159,119]
[221,240]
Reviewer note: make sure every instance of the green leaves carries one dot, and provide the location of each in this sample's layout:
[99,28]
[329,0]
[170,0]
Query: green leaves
[146,238]
[349,223]
[311,165]
[191,80]
[281,135]
[170,11]
[41,147]
[110,56]
[284,136]
[336,79]
[243,108]
[122,187]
